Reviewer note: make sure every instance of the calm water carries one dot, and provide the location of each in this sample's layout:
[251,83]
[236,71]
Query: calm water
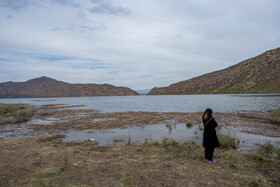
[157,132]
[164,103]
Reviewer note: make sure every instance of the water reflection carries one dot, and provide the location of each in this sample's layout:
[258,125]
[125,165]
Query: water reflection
[178,132]
[170,127]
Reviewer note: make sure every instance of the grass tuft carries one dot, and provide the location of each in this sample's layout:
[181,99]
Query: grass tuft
[235,160]
[265,153]
[168,143]
[257,180]
[129,139]
[119,139]
[274,117]
[189,124]
[49,172]
[227,141]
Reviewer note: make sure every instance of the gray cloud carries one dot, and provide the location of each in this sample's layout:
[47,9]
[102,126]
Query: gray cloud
[85,28]
[67,3]
[81,28]
[139,44]
[15,4]
[9,16]
[105,7]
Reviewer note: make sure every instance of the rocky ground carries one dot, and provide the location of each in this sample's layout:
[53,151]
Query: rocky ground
[48,161]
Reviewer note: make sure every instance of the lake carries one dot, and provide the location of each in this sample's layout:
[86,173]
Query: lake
[155,132]
[166,103]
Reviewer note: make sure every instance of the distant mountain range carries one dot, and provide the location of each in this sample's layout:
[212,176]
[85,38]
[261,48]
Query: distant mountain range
[143,92]
[47,87]
[260,74]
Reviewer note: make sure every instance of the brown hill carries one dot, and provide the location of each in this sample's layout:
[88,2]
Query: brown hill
[260,74]
[47,87]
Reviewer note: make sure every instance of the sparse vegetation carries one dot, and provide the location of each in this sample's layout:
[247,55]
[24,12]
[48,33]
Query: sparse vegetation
[49,172]
[46,114]
[126,180]
[235,160]
[189,124]
[119,139]
[274,117]
[167,143]
[174,150]
[129,139]
[12,113]
[265,153]
[169,163]
[227,141]
[255,181]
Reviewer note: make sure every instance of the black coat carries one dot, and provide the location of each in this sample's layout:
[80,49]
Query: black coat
[210,138]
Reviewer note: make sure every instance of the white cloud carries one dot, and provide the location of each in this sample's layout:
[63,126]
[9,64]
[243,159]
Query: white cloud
[139,44]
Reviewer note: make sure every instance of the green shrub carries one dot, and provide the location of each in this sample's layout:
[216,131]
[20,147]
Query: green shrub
[189,124]
[200,127]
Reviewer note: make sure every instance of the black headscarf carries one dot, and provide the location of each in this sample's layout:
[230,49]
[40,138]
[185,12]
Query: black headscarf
[207,115]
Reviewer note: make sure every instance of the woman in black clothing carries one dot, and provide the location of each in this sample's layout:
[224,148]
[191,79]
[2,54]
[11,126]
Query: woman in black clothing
[210,139]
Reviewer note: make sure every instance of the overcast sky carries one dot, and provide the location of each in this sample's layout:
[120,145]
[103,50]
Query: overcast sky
[135,43]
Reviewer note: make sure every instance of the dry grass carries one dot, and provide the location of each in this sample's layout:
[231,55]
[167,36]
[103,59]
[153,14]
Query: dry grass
[47,161]
[227,141]
[274,117]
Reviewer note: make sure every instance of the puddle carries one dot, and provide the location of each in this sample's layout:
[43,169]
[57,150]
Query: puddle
[82,115]
[137,134]
[157,132]
[13,131]
[247,141]
[103,119]
[46,121]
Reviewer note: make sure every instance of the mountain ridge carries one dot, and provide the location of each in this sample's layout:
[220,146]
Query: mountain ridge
[258,74]
[48,87]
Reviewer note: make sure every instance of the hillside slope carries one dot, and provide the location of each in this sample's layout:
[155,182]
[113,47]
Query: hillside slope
[47,87]
[260,74]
